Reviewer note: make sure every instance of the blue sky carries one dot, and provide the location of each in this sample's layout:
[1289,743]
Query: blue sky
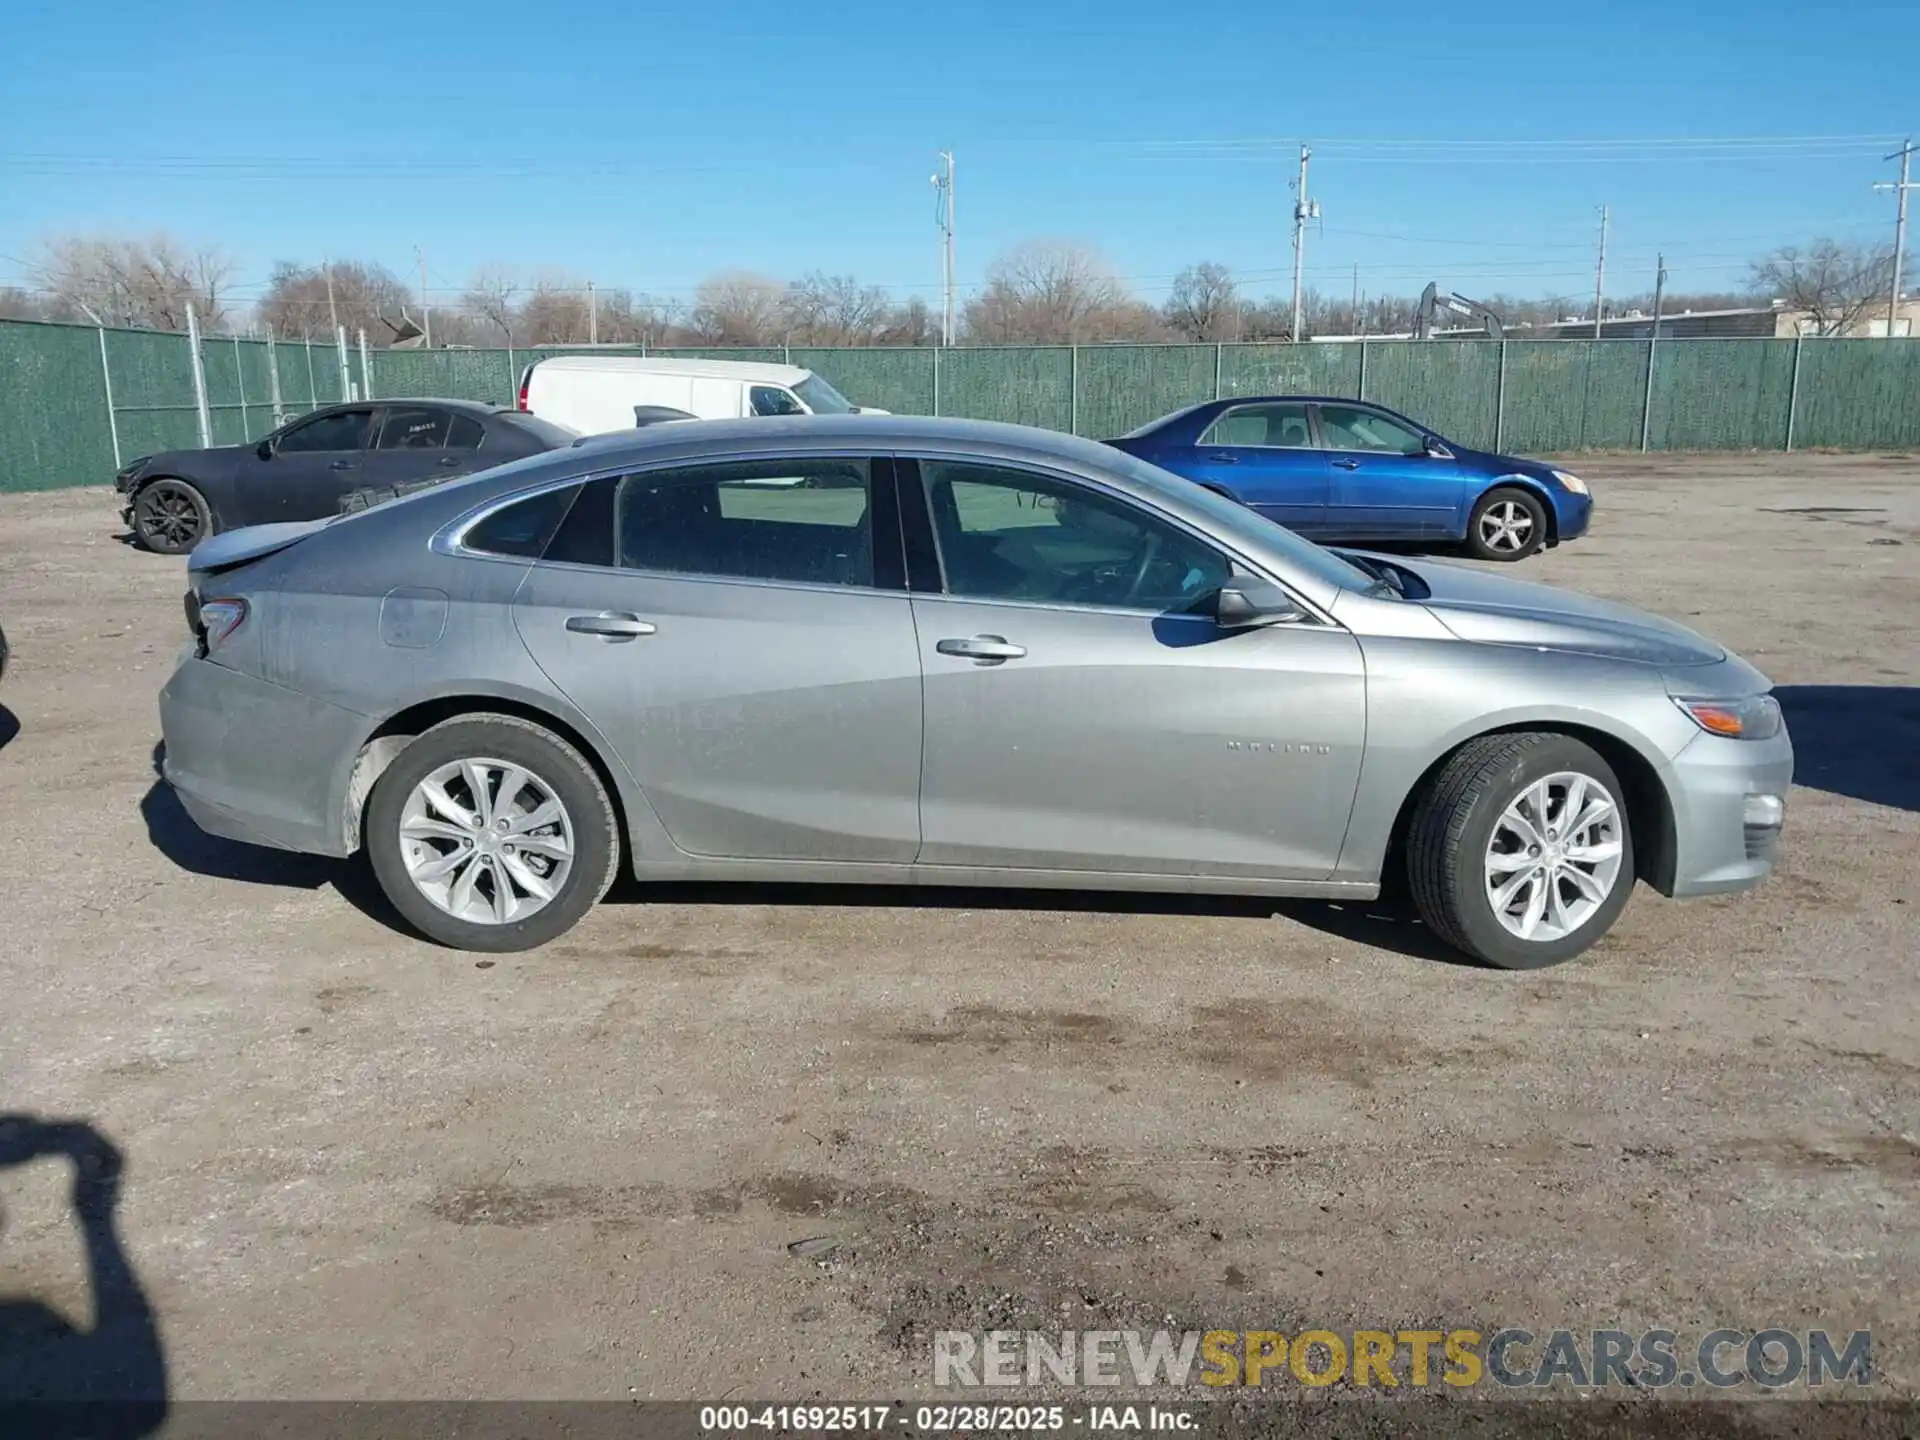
[647,145]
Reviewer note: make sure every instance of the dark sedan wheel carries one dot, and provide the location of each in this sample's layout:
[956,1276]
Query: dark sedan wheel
[491,833]
[1519,852]
[170,517]
[1507,524]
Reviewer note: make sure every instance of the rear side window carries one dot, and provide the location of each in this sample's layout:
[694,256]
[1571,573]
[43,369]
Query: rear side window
[806,521]
[413,427]
[1279,427]
[523,530]
[465,433]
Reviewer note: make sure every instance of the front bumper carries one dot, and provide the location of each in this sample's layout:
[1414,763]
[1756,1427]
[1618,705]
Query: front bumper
[1729,802]
[1572,514]
[256,762]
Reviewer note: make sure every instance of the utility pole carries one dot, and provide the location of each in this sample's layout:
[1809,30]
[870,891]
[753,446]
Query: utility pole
[426,313]
[1600,273]
[1303,211]
[943,217]
[1905,156]
[593,315]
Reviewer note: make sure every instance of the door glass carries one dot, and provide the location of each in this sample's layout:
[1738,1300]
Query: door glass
[414,427]
[466,433]
[772,400]
[342,430]
[1280,427]
[1013,535]
[807,521]
[1350,428]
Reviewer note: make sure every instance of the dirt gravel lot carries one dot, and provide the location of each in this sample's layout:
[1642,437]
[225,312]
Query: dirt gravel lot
[358,1165]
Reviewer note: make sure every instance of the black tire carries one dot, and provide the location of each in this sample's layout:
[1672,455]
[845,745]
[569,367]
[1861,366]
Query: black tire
[1508,517]
[1453,824]
[557,766]
[170,517]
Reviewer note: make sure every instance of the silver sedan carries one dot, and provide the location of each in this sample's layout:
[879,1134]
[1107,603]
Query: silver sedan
[943,652]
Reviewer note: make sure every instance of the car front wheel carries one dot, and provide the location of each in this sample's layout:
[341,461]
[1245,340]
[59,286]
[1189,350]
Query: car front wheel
[1519,853]
[1506,524]
[170,517]
[491,833]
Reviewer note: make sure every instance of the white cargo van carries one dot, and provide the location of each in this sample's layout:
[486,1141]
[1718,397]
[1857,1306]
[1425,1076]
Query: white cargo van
[597,393]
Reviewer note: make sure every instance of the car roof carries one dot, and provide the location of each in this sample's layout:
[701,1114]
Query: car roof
[767,372]
[468,407]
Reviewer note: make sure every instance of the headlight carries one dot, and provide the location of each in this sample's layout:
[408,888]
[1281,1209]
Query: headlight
[1757,717]
[1572,482]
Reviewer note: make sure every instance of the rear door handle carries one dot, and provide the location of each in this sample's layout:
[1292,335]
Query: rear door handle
[448,460]
[987,649]
[1346,464]
[1216,458]
[344,465]
[611,625]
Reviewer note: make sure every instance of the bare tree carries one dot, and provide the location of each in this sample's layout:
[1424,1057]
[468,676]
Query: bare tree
[1830,285]
[835,310]
[738,307]
[145,283]
[365,297]
[1205,304]
[1046,292]
[909,324]
[488,298]
[18,304]
[556,312]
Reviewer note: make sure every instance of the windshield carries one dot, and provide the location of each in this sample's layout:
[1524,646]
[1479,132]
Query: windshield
[1236,519]
[822,398]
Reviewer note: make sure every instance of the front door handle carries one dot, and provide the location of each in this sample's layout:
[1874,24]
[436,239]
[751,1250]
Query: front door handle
[611,625]
[448,460]
[344,465]
[1346,464]
[987,649]
[1216,458]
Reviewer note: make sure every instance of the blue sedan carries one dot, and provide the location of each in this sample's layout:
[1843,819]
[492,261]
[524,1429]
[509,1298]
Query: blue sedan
[1352,470]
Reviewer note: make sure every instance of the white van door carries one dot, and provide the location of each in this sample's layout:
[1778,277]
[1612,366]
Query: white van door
[716,399]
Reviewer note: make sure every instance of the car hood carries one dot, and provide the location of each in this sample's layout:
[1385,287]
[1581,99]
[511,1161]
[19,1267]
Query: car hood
[1493,610]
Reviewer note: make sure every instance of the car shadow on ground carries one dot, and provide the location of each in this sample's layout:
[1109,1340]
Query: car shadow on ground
[9,726]
[174,834]
[1861,741]
[1384,923]
[108,1380]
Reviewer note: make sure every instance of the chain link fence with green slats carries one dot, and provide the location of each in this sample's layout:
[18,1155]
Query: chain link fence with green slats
[77,397]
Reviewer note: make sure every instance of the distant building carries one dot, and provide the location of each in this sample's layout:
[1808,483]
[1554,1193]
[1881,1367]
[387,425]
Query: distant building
[1759,321]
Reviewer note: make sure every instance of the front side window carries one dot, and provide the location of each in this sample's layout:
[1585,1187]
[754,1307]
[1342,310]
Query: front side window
[804,521]
[1277,427]
[340,430]
[772,400]
[1351,428]
[414,427]
[1008,534]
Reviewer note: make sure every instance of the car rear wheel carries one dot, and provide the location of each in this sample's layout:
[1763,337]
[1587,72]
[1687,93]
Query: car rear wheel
[491,833]
[1507,524]
[170,517]
[1519,853]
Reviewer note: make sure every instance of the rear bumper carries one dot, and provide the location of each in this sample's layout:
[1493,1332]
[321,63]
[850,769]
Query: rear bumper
[1716,800]
[256,762]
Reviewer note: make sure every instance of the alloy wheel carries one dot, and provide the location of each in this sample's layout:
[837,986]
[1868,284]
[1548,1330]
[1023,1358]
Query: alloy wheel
[1554,856]
[487,841]
[168,514]
[1506,526]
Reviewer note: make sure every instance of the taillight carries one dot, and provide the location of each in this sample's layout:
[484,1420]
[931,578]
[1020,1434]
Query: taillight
[526,379]
[219,619]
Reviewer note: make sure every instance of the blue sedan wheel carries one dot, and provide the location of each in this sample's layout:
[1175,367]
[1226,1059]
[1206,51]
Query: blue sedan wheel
[1507,524]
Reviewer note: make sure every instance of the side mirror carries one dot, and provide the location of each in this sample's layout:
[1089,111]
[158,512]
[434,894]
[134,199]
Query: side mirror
[1436,448]
[1248,603]
[264,449]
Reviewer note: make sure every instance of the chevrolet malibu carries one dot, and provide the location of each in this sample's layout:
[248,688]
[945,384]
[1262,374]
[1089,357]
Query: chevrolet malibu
[944,652]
